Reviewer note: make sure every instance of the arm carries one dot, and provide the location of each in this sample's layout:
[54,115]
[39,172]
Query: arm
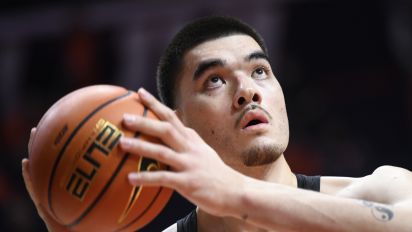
[271,205]
[200,175]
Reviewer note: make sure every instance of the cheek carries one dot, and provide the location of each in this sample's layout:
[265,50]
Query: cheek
[208,118]
[199,115]
[275,98]
[274,102]
[207,105]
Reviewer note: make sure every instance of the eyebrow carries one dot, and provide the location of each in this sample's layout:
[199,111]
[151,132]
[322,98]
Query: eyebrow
[257,55]
[205,65]
[212,63]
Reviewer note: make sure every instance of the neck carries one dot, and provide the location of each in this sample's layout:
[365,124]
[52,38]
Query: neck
[278,172]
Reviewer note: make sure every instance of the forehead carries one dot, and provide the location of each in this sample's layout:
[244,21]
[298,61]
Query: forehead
[227,48]
[231,50]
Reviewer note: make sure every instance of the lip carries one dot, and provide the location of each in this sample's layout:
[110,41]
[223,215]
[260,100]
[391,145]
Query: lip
[254,115]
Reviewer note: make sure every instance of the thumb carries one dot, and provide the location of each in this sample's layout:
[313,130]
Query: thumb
[27,180]
[32,134]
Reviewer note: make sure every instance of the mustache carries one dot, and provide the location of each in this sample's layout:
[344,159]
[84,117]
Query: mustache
[249,108]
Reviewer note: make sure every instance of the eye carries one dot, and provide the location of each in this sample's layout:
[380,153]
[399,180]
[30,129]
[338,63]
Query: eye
[214,82]
[260,73]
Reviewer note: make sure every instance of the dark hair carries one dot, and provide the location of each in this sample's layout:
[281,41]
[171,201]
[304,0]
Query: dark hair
[191,35]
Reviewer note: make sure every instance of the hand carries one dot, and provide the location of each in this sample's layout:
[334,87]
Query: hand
[51,224]
[197,172]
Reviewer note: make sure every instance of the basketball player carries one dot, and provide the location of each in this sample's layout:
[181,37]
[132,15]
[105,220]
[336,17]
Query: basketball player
[225,130]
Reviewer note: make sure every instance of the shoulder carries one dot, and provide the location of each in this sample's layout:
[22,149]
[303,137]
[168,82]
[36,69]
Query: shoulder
[172,228]
[387,184]
[394,182]
[392,171]
[390,177]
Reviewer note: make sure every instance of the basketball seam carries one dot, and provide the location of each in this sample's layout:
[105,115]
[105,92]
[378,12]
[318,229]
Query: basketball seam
[62,151]
[144,211]
[150,204]
[84,214]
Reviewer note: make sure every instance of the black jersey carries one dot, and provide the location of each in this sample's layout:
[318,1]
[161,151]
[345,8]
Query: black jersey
[189,223]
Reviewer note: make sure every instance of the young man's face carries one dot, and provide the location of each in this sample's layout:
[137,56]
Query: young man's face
[229,95]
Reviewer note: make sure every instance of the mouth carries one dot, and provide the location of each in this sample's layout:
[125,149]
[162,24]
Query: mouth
[253,119]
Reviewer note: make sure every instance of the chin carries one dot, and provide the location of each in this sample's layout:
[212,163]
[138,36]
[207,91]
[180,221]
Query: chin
[262,154]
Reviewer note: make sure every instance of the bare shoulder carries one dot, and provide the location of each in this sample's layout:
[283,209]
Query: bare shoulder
[172,228]
[395,181]
[387,184]
[392,171]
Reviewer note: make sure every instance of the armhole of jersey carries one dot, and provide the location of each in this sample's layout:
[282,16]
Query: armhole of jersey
[172,228]
[188,223]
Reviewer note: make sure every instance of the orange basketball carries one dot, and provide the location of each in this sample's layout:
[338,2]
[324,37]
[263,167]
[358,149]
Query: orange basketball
[79,172]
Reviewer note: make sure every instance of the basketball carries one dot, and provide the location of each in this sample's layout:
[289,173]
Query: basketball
[79,172]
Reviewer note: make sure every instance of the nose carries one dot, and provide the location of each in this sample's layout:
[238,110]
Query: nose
[246,95]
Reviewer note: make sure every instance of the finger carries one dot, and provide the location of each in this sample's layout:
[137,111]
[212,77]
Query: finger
[154,151]
[163,112]
[159,129]
[32,134]
[29,186]
[155,178]
[27,179]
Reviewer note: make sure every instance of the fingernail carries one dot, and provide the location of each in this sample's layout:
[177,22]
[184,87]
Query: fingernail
[126,142]
[134,178]
[133,175]
[129,118]
[143,93]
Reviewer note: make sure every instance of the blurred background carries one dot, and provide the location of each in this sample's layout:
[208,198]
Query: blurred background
[345,68]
